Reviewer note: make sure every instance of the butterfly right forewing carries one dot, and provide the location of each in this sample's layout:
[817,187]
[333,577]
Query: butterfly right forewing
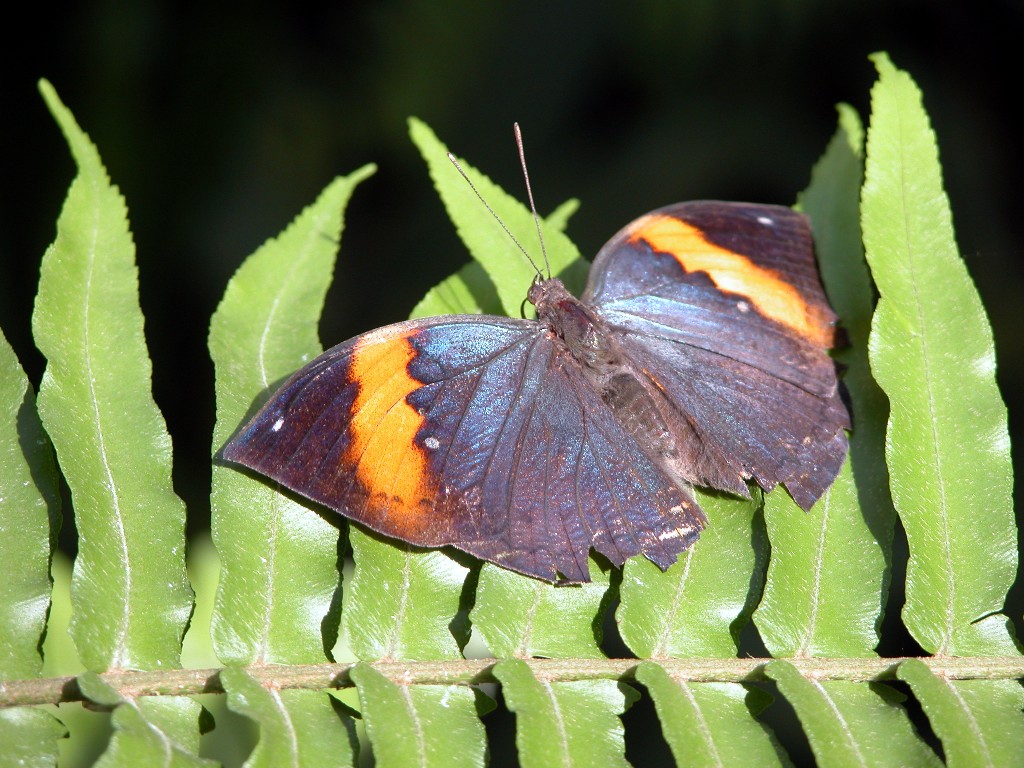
[720,307]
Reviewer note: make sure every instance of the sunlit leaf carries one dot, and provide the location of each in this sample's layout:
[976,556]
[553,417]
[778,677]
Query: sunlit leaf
[980,722]
[697,606]
[131,599]
[29,515]
[157,730]
[710,723]
[824,591]
[932,352]
[401,602]
[30,737]
[519,616]
[565,724]
[507,266]
[278,556]
[470,290]
[843,721]
[467,292]
[297,728]
[420,725]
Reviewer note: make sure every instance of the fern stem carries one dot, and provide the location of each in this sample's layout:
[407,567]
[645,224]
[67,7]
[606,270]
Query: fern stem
[184,682]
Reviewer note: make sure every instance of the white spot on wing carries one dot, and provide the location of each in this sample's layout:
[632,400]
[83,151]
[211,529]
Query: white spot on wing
[743,306]
[432,443]
[768,221]
[277,425]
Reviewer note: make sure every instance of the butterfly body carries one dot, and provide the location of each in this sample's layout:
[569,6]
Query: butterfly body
[697,355]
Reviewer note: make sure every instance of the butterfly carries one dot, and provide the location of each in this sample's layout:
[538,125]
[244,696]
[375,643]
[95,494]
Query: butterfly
[697,355]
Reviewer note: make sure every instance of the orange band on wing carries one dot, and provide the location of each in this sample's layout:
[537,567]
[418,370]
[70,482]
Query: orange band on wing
[733,272]
[389,463]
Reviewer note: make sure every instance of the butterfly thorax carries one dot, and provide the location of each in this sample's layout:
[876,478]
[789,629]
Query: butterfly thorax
[576,324]
[639,403]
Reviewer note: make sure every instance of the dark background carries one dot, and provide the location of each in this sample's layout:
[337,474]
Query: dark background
[219,124]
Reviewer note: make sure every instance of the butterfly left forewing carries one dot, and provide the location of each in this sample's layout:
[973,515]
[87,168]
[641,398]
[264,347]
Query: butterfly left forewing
[362,428]
[469,431]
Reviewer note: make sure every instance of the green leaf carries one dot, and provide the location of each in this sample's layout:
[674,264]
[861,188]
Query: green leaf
[487,242]
[828,575]
[823,589]
[843,721]
[931,350]
[59,655]
[89,731]
[131,599]
[710,723]
[565,724]
[151,731]
[832,201]
[470,290]
[297,728]
[467,292]
[980,722]
[30,737]
[29,518]
[197,650]
[401,601]
[520,617]
[278,556]
[419,725]
[697,606]
[558,219]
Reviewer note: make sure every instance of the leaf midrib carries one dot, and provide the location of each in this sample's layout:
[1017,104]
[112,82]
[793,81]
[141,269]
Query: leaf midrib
[702,723]
[263,368]
[972,721]
[943,510]
[289,727]
[410,707]
[812,621]
[661,650]
[556,711]
[844,727]
[119,657]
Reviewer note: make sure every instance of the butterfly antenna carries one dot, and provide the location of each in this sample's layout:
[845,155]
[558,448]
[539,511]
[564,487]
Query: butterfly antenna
[529,195]
[490,210]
